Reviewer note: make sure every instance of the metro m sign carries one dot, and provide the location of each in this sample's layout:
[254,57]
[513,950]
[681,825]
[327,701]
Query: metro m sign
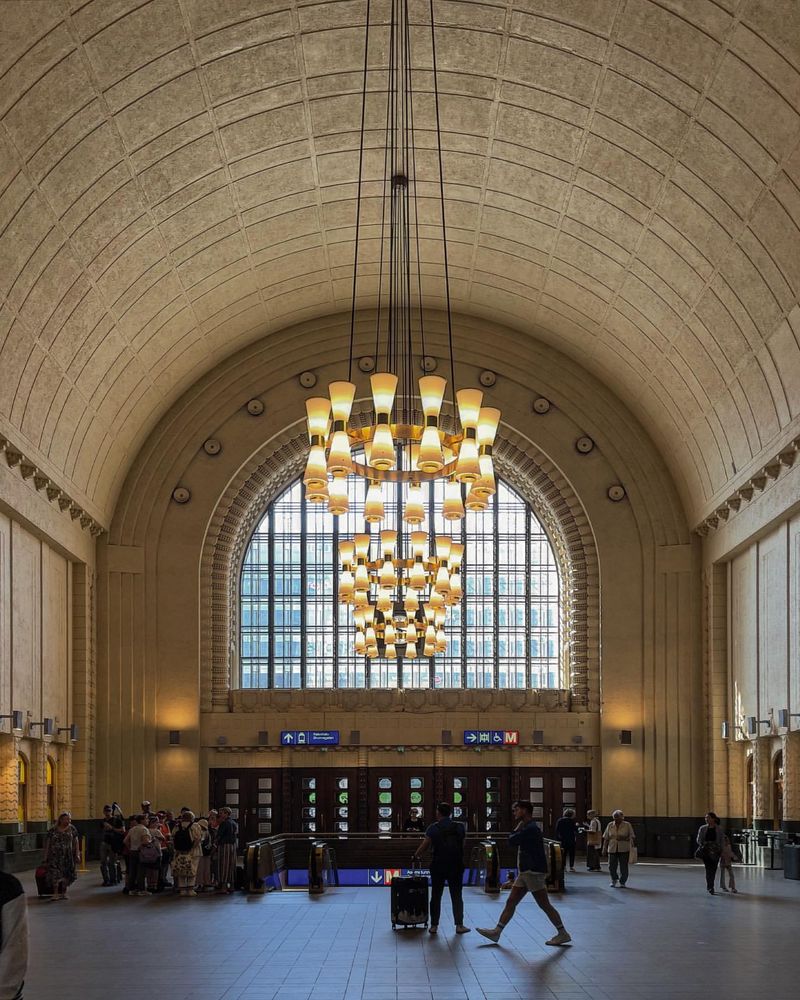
[511,738]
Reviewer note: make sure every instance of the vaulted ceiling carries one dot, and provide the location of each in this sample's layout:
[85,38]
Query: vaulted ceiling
[177,179]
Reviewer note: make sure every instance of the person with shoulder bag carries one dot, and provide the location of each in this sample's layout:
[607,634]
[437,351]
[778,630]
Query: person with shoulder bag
[710,843]
[619,841]
[594,841]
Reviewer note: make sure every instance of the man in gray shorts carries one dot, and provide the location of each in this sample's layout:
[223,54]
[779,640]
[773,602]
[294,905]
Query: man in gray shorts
[532,865]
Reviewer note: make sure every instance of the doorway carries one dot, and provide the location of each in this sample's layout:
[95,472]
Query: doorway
[394,792]
[253,796]
[551,790]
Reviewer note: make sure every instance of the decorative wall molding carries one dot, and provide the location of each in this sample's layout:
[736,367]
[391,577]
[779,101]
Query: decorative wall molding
[755,485]
[50,490]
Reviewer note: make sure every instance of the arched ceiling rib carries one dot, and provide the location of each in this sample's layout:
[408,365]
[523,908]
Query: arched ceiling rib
[177,178]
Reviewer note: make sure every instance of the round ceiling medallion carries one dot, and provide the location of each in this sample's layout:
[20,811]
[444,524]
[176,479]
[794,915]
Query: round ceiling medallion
[584,445]
[255,407]
[308,380]
[428,364]
[487,378]
[616,493]
[541,405]
[212,446]
[181,495]
[366,364]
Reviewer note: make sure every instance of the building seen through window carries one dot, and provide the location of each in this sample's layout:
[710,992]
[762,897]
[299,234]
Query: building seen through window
[293,633]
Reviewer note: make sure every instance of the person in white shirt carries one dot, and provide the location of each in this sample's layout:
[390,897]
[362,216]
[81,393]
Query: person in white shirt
[618,840]
[594,840]
[134,838]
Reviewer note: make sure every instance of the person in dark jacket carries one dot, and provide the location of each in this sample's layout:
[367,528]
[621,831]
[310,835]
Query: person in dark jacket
[566,832]
[446,840]
[532,877]
[13,937]
[710,842]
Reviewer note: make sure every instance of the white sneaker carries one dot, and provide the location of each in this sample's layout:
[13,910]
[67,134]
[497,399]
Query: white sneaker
[561,938]
[613,885]
[461,929]
[492,934]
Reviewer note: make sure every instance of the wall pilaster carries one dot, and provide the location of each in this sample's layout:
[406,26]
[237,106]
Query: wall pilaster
[8,778]
[762,798]
[791,782]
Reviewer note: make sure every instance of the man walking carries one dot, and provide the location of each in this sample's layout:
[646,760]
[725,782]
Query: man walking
[446,839]
[532,865]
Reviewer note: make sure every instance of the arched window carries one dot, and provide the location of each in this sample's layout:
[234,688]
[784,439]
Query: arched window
[50,784]
[22,791]
[506,632]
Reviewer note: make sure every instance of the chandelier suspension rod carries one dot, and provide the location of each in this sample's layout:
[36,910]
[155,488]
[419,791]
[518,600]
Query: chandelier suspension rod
[441,201]
[358,195]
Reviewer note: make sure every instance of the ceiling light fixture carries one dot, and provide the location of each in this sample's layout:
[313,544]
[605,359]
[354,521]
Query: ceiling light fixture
[399,596]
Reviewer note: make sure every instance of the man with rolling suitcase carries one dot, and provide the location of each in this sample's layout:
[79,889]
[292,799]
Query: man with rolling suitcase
[446,840]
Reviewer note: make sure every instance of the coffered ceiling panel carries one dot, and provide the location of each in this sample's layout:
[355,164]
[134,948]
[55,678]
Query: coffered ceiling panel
[178,178]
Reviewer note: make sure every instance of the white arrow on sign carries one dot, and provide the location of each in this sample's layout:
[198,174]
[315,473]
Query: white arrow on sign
[376,877]
[288,737]
[472,737]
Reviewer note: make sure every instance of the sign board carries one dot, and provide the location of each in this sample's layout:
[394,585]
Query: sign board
[491,737]
[310,738]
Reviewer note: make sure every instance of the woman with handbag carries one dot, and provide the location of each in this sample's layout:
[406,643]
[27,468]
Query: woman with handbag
[710,842]
[594,840]
[618,842]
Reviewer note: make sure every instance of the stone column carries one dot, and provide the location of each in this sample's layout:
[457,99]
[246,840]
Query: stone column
[37,786]
[63,776]
[791,782]
[762,785]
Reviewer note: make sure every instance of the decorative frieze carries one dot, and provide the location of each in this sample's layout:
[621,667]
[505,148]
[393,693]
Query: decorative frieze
[757,483]
[15,459]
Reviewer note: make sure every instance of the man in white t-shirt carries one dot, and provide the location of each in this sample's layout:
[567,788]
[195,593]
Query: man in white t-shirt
[134,838]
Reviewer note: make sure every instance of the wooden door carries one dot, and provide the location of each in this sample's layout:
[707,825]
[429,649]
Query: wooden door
[253,796]
[323,800]
[554,789]
[394,792]
[480,797]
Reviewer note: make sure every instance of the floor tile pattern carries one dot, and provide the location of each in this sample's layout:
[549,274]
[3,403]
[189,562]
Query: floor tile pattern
[662,938]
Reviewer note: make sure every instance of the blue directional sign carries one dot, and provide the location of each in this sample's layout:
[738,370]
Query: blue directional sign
[310,738]
[491,737]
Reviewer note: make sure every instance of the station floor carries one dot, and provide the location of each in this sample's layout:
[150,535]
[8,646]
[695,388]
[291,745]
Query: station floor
[661,938]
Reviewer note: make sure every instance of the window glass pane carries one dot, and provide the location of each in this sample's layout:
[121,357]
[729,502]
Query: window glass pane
[232,784]
[567,782]
[292,631]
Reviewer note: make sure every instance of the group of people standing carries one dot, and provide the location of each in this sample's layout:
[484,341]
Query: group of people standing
[618,843]
[160,850]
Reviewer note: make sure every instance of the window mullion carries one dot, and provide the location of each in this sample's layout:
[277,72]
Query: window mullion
[528,664]
[496,600]
[303,587]
[271,597]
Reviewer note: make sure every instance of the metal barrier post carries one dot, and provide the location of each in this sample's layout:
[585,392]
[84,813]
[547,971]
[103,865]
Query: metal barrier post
[491,879]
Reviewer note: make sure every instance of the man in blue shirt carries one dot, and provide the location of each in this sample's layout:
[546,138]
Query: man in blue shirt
[446,838]
[532,877]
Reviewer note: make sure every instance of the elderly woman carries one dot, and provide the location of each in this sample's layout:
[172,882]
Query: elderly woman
[594,839]
[187,839]
[204,881]
[227,836]
[618,840]
[61,855]
[710,843]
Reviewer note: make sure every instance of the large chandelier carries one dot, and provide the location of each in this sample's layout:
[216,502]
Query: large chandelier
[400,584]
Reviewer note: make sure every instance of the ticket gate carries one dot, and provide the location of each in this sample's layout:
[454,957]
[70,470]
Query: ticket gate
[322,870]
[484,866]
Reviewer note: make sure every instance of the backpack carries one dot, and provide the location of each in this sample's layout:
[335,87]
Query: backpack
[150,854]
[182,839]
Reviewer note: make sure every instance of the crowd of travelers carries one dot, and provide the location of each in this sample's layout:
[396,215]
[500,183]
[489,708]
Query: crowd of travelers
[149,852]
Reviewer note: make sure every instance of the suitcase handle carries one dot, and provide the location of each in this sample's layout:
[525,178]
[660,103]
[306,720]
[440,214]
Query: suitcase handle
[416,864]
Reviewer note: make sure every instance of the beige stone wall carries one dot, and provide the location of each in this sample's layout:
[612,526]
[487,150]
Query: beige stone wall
[39,618]
[645,635]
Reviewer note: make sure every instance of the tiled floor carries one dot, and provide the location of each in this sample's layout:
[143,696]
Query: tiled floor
[663,938]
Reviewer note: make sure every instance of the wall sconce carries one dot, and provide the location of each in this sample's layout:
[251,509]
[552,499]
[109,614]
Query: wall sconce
[263,738]
[753,723]
[16,721]
[785,718]
[725,730]
[538,737]
[72,730]
[174,737]
[626,737]
[46,724]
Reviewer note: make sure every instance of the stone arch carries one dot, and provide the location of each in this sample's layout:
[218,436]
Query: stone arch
[262,479]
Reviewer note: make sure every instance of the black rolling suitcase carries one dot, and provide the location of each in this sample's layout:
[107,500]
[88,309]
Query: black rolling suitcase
[43,884]
[410,900]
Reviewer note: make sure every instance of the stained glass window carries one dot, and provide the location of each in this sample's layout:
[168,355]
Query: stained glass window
[293,633]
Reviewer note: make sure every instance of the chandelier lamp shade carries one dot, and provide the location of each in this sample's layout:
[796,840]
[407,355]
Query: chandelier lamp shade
[399,592]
